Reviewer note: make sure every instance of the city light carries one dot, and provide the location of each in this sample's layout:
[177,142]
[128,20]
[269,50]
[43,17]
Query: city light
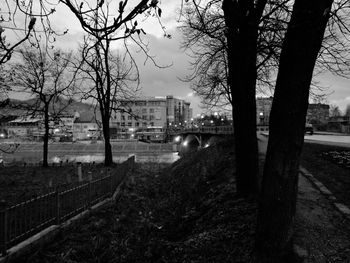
[206,146]
[2,135]
[185,143]
[177,138]
[212,121]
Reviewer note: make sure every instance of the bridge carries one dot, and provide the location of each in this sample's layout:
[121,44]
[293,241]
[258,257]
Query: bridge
[198,137]
[222,130]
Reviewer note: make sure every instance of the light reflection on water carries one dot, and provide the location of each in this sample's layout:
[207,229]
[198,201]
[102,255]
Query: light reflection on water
[139,158]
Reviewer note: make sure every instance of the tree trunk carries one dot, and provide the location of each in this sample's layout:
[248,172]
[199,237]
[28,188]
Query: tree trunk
[108,147]
[46,136]
[242,34]
[287,123]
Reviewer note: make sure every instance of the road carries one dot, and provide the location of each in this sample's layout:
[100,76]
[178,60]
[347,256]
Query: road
[336,140]
[329,139]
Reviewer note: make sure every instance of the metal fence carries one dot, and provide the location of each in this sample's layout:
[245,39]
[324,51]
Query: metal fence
[26,219]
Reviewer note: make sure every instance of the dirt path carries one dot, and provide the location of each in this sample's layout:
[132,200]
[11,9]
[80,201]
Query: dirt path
[320,229]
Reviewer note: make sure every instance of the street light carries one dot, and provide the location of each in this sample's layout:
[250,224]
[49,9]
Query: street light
[261,114]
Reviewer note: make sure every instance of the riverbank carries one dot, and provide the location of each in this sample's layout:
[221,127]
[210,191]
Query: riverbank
[187,212]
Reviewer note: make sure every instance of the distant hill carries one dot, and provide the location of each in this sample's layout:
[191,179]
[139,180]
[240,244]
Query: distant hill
[18,107]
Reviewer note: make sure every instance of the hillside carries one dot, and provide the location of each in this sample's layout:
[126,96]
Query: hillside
[18,107]
[187,212]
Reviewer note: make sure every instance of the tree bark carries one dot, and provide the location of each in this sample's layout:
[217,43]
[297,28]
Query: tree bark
[46,136]
[242,20]
[287,123]
[107,137]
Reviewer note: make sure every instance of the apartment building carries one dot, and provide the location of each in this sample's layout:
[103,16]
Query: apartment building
[148,113]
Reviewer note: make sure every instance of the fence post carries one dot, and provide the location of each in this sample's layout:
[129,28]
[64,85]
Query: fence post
[89,194]
[80,175]
[58,207]
[3,227]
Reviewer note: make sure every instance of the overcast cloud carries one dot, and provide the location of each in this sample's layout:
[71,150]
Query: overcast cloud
[161,82]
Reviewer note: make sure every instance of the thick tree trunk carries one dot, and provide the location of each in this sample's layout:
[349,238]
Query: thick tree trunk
[108,147]
[46,136]
[242,34]
[287,123]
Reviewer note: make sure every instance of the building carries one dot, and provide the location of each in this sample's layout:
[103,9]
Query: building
[263,108]
[25,127]
[85,128]
[178,111]
[140,113]
[339,124]
[140,118]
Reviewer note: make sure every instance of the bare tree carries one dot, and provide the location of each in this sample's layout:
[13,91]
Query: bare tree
[277,207]
[103,27]
[111,80]
[46,80]
[334,111]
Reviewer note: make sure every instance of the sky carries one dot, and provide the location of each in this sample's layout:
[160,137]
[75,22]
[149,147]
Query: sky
[156,81]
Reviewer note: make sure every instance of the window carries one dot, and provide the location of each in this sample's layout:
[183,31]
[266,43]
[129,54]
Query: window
[151,110]
[123,124]
[144,124]
[144,117]
[123,118]
[151,117]
[85,126]
[129,124]
[129,118]
[118,123]
[144,110]
[151,124]
[137,124]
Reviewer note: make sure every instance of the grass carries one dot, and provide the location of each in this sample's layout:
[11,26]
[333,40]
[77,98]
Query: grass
[334,176]
[188,212]
[18,183]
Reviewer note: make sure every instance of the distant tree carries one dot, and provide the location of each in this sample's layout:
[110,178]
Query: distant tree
[46,79]
[347,111]
[334,111]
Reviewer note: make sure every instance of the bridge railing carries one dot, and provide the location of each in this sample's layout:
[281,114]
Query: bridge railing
[209,129]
